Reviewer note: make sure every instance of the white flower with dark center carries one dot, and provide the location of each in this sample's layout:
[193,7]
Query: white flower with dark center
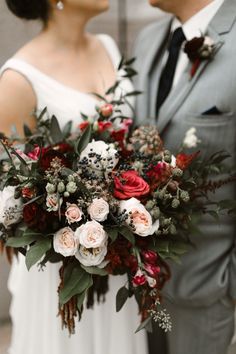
[99,156]
[10,207]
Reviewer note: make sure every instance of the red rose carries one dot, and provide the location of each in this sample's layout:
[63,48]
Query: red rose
[149,256]
[152,270]
[184,160]
[129,184]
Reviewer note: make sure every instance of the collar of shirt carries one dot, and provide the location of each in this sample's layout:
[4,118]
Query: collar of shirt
[197,25]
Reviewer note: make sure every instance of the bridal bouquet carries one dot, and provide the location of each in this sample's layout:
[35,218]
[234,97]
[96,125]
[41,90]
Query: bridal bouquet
[104,199]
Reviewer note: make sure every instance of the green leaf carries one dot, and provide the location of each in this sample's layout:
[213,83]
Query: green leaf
[80,300]
[113,233]
[124,231]
[26,239]
[121,298]
[67,130]
[144,324]
[37,251]
[95,270]
[76,281]
[84,140]
[27,131]
[55,130]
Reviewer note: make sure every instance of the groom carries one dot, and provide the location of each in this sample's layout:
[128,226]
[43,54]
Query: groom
[182,91]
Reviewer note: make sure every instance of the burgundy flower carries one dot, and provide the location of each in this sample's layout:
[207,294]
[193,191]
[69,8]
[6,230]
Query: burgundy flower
[152,270]
[129,184]
[35,217]
[49,156]
[149,256]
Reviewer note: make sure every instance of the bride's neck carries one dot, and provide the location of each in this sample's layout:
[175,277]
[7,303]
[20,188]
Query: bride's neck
[67,30]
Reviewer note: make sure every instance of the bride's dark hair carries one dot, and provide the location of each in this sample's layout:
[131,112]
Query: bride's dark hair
[30,9]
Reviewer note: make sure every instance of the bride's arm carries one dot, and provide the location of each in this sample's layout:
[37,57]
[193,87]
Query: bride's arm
[17,102]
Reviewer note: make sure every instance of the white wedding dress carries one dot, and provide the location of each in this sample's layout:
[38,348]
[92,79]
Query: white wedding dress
[34,307]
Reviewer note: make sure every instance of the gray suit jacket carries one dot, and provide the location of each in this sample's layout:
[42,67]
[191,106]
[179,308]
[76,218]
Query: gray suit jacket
[208,271]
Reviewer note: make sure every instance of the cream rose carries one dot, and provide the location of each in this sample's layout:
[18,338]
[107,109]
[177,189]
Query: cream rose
[65,242]
[140,217]
[91,235]
[91,257]
[99,156]
[98,209]
[52,202]
[73,213]
[10,207]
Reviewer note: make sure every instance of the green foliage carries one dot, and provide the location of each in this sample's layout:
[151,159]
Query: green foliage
[127,233]
[26,238]
[95,271]
[121,298]
[76,281]
[84,140]
[37,251]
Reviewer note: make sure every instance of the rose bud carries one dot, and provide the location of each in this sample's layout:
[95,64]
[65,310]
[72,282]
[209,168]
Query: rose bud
[27,192]
[152,269]
[139,279]
[149,256]
[106,110]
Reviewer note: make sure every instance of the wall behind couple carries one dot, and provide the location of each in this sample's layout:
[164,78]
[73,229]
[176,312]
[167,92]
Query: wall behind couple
[123,22]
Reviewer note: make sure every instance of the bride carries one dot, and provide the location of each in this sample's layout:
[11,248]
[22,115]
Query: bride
[58,69]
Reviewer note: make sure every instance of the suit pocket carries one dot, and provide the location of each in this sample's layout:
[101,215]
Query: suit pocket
[216,132]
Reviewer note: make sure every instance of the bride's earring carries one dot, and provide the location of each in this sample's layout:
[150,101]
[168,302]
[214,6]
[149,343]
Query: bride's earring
[60,5]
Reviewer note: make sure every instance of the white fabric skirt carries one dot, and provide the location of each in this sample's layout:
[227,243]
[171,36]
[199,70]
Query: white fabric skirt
[37,329]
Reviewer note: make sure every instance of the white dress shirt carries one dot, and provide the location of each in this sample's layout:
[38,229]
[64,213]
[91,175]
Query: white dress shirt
[196,26]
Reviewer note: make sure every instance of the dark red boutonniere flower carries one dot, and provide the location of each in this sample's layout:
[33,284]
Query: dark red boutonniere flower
[199,49]
[184,160]
[129,184]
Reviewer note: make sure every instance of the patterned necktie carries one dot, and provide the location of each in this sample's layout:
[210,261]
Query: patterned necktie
[168,72]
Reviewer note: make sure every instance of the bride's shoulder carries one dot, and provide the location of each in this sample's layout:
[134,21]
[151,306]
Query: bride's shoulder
[111,47]
[109,42]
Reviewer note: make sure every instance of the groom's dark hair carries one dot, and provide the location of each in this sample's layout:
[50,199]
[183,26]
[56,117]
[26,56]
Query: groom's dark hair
[30,9]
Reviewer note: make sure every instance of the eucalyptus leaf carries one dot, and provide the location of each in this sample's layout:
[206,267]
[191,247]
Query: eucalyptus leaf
[24,240]
[121,298]
[67,130]
[144,324]
[76,281]
[95,270]
[37,251]
[80,300]
[55,131]
[113,233]
[84,140]
[124,231]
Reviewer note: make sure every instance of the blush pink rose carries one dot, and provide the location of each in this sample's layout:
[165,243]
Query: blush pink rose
[73,213]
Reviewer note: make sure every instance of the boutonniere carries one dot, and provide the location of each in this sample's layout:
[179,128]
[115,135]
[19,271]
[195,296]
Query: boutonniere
[199,49]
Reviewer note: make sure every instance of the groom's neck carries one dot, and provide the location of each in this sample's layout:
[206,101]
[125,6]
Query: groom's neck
[190,9]
[182,9]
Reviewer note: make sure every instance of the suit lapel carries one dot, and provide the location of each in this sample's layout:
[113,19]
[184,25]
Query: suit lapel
[163,28]
[221,24]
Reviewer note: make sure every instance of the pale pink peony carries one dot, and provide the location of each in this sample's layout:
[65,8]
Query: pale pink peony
[65,242]
[91,235]
[98,209]
[73,213]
